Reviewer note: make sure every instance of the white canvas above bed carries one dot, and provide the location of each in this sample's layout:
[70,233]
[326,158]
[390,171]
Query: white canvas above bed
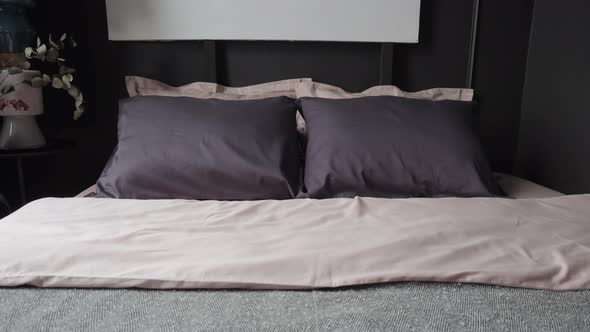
[312,20]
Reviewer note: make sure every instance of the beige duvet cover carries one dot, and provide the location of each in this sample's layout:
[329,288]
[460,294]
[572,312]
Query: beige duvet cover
[90,242]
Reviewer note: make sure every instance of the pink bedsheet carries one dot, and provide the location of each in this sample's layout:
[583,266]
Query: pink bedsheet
[89,242]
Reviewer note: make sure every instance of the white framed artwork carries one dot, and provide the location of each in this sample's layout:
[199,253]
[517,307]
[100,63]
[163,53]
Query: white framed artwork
[394,21]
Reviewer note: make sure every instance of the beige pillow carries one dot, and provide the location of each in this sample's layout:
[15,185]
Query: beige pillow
[140,86]
[321,90]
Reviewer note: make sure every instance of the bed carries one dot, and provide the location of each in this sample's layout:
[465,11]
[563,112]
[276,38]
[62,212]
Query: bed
[162,244]
[419,306]
[207,217]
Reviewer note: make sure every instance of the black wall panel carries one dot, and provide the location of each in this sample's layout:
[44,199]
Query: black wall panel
[554,145]
[440,59]
[354,66]
[501,52]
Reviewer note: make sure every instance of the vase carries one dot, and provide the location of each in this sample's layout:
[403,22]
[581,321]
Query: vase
[19,110]
[21,132]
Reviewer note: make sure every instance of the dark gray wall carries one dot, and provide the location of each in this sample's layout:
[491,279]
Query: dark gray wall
[554,147]
[504,29]
[439,60]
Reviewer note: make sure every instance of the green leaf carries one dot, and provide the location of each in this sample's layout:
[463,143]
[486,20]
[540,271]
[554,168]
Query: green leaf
[54,44]
[67,79]
[29,52]
[79,111]
[74,92]
[79,97]
[57,83]
[37,82]
[52,55]
[64,37]
[14,70]
[38,42]
[42,50]
[78,114]
[32,75]
[46,79]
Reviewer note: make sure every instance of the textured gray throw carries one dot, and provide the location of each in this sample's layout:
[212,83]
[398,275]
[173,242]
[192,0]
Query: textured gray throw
[391,307]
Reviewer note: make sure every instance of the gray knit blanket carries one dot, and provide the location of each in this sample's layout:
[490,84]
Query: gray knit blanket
[390,307]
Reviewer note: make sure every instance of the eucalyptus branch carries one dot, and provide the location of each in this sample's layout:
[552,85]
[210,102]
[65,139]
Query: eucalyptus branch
[7,66]
[61,77]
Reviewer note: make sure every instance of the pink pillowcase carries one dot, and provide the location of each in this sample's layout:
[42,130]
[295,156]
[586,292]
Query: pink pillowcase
[294,88]
[321,90]
[140,86]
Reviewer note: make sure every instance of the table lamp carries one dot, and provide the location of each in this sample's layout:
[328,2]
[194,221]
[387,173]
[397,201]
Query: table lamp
[19,107]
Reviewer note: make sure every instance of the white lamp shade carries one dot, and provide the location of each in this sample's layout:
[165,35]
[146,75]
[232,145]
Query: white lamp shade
[24,100]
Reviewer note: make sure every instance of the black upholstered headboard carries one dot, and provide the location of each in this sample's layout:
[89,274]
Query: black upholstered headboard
[354,66]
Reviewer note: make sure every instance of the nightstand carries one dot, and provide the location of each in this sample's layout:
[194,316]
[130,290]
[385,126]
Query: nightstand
[19,155]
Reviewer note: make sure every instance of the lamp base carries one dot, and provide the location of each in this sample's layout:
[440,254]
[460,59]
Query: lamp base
[21,132]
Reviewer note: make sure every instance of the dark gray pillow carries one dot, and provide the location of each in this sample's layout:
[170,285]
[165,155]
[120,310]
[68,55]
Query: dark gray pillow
[393,147]
[205,149]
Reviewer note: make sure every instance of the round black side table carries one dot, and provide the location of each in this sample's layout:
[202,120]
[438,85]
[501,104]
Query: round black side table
[52,147]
